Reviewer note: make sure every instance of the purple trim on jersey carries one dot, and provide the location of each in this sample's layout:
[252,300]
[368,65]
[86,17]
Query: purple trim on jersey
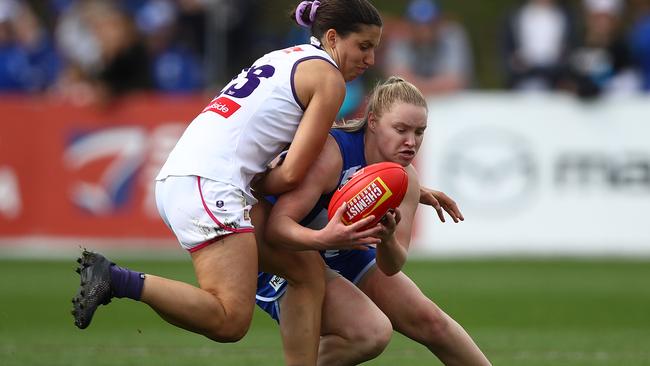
[317,47]
[293,72]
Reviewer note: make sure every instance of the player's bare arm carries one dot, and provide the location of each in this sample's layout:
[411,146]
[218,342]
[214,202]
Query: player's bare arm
[392,251]
[321,88]
[283,227]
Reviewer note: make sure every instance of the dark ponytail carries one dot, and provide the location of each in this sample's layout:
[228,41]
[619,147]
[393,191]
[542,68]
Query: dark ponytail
[344,16]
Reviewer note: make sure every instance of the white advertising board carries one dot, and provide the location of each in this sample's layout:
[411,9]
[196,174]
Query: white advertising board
[537,174]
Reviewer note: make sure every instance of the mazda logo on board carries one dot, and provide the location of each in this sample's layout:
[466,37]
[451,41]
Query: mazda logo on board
[490,170]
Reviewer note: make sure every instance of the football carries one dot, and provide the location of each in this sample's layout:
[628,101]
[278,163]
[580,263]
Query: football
[372,190]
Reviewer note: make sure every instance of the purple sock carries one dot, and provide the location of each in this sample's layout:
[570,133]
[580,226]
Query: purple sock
[126,283]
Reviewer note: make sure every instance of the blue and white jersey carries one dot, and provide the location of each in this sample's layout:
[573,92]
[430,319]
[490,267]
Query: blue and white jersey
[247,125]
[351,264]
[352,151]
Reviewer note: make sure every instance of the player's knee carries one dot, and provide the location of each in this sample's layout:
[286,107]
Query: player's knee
[372,338]
[433,325]
[382,336]
[230,330]
[305,269]
[222,336]
[236,333]
[232,325]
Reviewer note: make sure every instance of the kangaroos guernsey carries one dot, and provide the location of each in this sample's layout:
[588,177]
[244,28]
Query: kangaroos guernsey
[247,125]
[351,264]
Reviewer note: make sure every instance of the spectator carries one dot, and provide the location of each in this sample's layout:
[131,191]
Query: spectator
[124,57]
[193,23]
[232,30]
[640,41]
[28,60]
[435,56]
[538,37]
[176,67]
[75,40]
[602,62]
[106,56]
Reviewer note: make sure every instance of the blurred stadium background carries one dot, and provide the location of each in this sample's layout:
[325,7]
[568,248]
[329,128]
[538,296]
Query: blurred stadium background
[539,128]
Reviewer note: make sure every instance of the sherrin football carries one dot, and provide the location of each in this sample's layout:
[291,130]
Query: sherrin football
[372,190]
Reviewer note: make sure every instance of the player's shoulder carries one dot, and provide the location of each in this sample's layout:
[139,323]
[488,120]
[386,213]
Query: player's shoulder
[330,157]
[319,78]
[328,165]
[321,72]
[348,138]
[331,147]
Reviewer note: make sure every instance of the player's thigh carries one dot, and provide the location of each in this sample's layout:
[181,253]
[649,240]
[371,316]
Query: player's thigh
[400,299]
[228,269]
[259,215]
[200,211]
[349,313]
[294,266]
[297,267]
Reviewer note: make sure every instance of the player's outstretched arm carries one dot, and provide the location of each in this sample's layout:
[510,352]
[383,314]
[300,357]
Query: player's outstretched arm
[440,201]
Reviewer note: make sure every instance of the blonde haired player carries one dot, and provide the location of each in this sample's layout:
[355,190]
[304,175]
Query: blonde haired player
[358,321]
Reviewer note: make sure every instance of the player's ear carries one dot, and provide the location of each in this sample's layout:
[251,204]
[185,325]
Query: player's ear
[372,121]
[330,37]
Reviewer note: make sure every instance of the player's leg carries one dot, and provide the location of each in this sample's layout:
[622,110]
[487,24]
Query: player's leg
[212,221]
[354,330]
[303,299]
[222,308]
[225,265]
[417,317]
[305,276]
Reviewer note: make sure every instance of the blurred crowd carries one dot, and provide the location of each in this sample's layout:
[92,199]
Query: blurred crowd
[590,48]
[89,50]
[603,48]
[84,51]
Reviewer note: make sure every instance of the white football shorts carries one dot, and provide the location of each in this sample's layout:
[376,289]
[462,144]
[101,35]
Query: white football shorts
[201,211]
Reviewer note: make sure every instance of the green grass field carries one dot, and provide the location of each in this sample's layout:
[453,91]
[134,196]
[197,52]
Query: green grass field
[521,312]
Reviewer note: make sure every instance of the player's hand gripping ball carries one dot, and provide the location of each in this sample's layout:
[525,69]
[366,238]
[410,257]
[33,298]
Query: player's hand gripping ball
[372,190]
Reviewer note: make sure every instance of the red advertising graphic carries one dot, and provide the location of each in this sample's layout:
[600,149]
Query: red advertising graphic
[223,106]
[83,172]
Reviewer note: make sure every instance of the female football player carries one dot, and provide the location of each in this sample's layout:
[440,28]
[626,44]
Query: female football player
[357,322]
[205,190]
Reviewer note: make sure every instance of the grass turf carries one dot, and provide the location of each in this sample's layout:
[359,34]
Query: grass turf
[521,312]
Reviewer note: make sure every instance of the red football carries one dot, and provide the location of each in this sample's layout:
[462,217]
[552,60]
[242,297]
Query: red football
[372,190]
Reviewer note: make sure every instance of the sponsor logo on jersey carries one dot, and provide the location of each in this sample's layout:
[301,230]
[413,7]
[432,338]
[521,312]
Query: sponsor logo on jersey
[222,106]
[332,253]
[367,200]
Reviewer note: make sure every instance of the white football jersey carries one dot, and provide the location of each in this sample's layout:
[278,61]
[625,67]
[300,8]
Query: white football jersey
[248,124]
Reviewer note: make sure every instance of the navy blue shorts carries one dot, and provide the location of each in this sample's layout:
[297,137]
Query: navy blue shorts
[351,264]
